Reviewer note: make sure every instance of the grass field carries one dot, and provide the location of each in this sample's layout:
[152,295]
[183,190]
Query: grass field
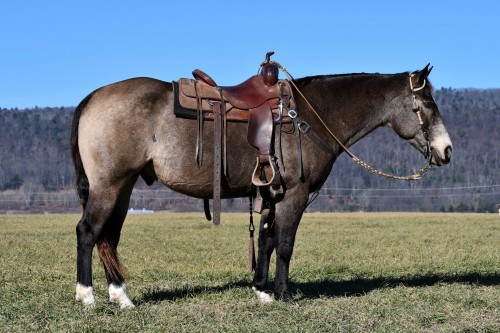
[351,273]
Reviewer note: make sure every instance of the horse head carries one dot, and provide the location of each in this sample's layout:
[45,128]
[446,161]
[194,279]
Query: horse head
[419,120]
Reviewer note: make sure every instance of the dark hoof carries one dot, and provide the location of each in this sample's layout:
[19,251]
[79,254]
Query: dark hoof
[286,297]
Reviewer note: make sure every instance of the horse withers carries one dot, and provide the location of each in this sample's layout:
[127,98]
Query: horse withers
[128,130]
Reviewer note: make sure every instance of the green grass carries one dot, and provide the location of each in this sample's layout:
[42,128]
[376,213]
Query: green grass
[350,272]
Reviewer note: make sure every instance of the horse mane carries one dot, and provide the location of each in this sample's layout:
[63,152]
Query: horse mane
[308,79]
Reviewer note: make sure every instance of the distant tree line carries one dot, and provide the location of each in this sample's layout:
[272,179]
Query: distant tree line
[35,160]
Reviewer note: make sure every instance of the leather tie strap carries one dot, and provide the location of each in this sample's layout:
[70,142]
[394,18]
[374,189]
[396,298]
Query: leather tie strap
[217,161]
[304,127]
[199,129]
[299,147]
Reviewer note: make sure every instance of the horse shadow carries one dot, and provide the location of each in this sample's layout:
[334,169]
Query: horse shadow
[331,288]
[361,286]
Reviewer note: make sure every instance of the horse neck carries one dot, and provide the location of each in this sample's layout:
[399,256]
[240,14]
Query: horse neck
[354,105]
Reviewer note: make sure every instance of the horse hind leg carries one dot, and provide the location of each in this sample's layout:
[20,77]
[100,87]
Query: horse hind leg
[85,245]
[101,224]
[107,247]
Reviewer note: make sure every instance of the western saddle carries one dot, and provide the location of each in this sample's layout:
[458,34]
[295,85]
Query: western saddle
[259,101]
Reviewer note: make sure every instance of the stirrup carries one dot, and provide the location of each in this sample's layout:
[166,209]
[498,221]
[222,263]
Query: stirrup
[266,173]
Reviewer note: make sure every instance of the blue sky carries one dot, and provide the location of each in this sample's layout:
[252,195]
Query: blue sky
[53,53]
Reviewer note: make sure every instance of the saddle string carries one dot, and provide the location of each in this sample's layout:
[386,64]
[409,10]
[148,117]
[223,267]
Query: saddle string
[415,176]
[251,228]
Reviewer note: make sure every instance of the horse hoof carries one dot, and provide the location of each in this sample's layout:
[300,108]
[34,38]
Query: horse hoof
[85,295]
[118,294]
[287,298]
[263,297]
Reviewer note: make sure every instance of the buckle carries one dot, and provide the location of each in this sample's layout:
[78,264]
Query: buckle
[304,127]
[280,113]
[292,114]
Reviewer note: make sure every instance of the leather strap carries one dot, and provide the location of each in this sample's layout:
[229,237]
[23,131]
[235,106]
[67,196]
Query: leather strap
[299,148]
[199,129]
[307,129]
[217,161]
[224,133]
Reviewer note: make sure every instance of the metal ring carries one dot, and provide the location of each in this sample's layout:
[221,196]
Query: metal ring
[305,124]
[292,114]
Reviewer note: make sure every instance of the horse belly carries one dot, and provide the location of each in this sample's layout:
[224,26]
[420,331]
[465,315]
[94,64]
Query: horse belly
[175,164]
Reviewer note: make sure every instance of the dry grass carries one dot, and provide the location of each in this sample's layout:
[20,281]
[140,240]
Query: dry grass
[351,273]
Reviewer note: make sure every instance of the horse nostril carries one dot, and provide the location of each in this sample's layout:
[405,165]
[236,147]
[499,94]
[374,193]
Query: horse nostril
[447,154]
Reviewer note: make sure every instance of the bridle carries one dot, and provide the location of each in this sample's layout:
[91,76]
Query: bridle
[415,108]
[418,112]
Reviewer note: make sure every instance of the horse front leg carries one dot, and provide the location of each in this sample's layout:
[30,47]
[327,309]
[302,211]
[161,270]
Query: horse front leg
[265,248]
[288,215]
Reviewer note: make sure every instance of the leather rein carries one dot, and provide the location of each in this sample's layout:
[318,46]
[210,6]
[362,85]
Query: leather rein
[415,107]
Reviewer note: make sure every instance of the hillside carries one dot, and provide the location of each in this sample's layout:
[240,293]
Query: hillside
[36,170]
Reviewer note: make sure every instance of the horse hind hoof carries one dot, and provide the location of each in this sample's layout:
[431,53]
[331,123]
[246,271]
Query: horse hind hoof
[263,297]
[85,295]
[118,294]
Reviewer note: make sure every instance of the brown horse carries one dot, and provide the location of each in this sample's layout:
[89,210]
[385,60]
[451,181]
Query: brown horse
[128,129]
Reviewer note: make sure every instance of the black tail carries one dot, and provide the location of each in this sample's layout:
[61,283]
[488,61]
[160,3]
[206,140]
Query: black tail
[82,182]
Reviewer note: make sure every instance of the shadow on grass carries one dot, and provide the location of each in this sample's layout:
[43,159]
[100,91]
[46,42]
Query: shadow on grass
[361,286]
[159,295]
[330,288]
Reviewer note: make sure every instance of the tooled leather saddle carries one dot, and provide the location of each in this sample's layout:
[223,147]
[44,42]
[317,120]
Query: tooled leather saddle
[258,101]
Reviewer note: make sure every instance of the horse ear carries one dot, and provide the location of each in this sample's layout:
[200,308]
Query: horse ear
[424,73]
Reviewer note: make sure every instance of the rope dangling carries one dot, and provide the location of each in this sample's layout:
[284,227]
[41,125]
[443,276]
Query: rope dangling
[251,249]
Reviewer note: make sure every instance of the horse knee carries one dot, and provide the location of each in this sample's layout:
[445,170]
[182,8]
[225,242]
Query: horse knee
[284,250]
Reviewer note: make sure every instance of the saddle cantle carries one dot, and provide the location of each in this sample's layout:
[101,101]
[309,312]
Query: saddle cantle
[258,101]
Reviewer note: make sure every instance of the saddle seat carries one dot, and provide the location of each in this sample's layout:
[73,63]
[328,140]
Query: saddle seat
[200,93]
[246,95]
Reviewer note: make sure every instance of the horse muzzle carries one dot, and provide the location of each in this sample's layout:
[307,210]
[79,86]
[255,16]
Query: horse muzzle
[440,158]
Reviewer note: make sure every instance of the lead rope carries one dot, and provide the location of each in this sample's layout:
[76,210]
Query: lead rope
[415,176]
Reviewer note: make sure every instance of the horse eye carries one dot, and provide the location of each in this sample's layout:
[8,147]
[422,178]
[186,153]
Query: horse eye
[429,104]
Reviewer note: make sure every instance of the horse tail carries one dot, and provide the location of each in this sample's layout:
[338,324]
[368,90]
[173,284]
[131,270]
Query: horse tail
[109,259]
[82,182]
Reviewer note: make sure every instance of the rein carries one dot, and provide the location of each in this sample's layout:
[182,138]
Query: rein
[416,108]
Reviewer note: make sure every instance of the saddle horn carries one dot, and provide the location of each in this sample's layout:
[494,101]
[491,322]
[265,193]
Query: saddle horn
[269,71]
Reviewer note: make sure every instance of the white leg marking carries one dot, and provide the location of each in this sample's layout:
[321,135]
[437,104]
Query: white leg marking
[118,294]
[263,297]
[85,295]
